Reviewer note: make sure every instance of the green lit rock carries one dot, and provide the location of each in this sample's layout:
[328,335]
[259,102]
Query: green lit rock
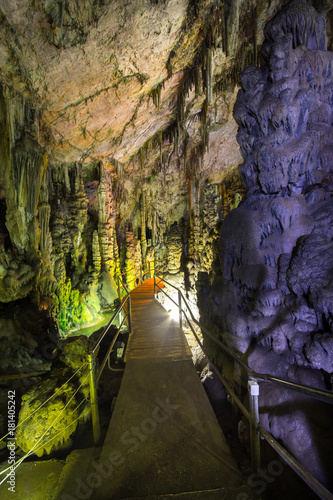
[53,423]
[76,308]
[16,278]
[74,354]
[52,410]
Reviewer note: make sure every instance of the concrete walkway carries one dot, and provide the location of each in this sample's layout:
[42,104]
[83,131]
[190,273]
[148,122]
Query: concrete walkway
[163,437]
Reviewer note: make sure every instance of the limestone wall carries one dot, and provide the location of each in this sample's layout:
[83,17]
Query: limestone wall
[273,300]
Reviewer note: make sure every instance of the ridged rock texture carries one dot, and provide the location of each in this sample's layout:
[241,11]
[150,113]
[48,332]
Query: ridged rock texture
[274,295]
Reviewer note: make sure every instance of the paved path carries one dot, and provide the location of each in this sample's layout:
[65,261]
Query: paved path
[163,437]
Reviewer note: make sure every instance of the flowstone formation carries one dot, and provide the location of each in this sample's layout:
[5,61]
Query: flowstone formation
[273,298]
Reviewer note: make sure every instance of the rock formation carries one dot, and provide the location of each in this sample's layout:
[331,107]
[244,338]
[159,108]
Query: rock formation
[273,298]
[57,403]
[118,148]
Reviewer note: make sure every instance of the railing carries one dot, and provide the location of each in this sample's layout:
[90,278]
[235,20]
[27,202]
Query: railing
[125,306]
[147,270]
[256,430]
[193,256]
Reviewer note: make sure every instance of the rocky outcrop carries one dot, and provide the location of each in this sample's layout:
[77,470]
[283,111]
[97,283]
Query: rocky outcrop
[58,403]
[273,298]
[284,135]
[28,337]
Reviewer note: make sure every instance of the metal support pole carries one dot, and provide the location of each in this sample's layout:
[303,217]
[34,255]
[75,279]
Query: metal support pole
[253,388]
[94,398]
[180,310]
[129,315]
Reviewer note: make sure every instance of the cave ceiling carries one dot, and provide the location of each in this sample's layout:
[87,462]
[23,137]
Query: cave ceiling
[110,79]
[106,75]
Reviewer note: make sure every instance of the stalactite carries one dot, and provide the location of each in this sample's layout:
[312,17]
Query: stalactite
[226,44]
[119,181]
[154,229]
[141,161]
[143,226]
[200,75]
[155,94]
[44,212]
[209,76]
[197,81]
[185,150]
[160,140]
[177,138]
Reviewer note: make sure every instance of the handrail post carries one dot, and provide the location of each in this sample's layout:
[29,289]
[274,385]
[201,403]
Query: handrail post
[180,310]
[140,275]
[253,388]
[94,398]
[149,269]
[129,314]
[154,286]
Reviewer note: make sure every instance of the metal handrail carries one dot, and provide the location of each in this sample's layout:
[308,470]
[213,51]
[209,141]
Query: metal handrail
[323,395]
[94,374]
[253,387]
[142,274]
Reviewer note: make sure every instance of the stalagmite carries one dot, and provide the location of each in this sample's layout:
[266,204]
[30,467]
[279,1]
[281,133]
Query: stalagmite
[96,254]
[174,249]
[132,259]
[106,221]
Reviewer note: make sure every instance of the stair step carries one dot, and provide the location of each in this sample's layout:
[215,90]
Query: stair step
[77,467]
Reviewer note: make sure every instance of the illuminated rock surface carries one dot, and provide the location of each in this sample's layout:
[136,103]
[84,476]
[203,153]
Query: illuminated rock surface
[274,295]
[118,146]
